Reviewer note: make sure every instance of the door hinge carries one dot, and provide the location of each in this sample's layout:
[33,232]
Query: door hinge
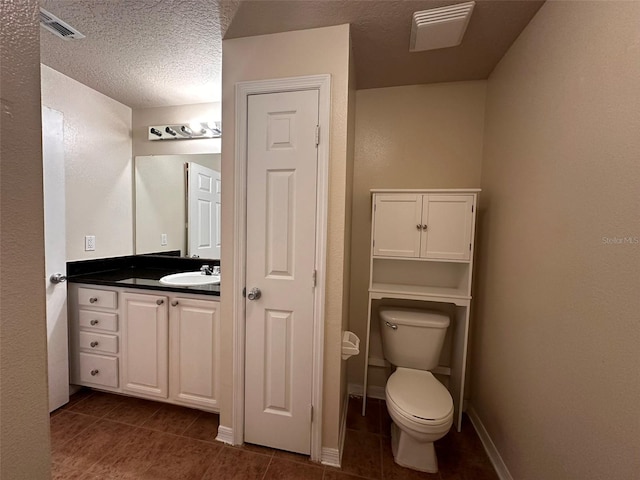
[469,247]
[311,412]
[317,135]
[471,208]
[315,277]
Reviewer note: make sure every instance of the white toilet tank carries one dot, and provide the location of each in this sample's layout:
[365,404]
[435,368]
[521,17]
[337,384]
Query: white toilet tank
[412,338]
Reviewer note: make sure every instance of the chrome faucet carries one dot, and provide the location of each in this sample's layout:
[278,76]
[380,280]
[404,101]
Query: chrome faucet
[207,270]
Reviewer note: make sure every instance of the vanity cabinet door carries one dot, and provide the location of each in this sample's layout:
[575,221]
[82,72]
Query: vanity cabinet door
[145,344]
[195,352]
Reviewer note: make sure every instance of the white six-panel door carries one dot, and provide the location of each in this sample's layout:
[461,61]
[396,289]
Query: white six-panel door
[203,187]
[55,256]
[280,259]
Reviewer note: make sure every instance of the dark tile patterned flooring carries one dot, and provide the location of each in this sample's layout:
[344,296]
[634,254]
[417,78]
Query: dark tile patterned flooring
[99,436]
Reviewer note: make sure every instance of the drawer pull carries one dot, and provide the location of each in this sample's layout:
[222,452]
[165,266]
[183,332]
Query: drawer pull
[94,322]
[95,372]
[93,299]
[174,303]
[94,344]
[159,301]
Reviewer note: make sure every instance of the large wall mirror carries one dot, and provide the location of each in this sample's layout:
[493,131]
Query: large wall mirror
[177,204]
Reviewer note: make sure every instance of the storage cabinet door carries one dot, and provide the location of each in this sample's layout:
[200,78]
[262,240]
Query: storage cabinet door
[195,352]
[449,220]
[397,225]
[145,344]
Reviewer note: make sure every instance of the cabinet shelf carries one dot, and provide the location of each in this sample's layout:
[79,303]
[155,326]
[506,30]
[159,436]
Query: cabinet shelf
[419,292]
[418,259]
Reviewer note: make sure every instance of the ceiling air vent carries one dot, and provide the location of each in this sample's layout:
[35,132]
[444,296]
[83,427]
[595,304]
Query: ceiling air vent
[58,27]
[440,27]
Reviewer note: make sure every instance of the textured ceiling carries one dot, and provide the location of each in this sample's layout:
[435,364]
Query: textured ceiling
[143,53]
[380,31]
[150,53]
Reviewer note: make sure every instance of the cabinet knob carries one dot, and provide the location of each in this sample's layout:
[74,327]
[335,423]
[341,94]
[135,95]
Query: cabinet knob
[174,303]
[93,299]
[94,344]
[424,227]
[418,226]
[95,372]
[159,301]
[94,322]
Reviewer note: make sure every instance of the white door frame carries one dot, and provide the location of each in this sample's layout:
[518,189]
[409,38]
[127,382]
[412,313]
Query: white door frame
[322,83]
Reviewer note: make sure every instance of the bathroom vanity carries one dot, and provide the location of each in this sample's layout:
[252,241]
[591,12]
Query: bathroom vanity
[132,335]
[422,244]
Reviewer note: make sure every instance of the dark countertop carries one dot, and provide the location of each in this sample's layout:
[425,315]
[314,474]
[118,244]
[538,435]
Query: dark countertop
[139,271]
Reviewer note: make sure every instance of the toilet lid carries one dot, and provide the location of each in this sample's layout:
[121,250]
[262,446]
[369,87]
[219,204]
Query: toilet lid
[419,394]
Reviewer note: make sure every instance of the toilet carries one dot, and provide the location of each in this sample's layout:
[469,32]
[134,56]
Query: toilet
[419,405]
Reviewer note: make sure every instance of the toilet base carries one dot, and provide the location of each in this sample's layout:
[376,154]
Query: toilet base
[409,453]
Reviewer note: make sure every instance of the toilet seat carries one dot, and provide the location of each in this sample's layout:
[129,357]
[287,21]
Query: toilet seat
[419,397]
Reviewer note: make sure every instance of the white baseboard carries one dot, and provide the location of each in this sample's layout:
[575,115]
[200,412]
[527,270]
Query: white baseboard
[373,391]
[489,446]
[225,435]
[332,456]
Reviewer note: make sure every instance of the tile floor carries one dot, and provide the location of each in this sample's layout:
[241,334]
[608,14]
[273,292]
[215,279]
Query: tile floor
[99,436]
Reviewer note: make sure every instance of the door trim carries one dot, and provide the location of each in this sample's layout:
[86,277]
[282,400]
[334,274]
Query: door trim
[322,83]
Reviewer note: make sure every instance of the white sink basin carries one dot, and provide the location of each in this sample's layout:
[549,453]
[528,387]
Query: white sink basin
[189,279]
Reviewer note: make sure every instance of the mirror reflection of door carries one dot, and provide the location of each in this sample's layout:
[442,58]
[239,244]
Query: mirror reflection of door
[161,219]
[203,200]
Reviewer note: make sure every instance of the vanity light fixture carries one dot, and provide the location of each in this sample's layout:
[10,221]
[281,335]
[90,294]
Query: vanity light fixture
[189,131]
[185,131]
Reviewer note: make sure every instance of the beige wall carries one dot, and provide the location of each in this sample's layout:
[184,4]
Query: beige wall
[24,417]
[308,52]
[351,142]
[556,362]
[421,136]
[97,148]
[145,117]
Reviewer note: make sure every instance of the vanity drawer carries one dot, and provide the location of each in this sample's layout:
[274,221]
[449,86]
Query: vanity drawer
[99,370]
[97,298]
[98,320]
[99,342]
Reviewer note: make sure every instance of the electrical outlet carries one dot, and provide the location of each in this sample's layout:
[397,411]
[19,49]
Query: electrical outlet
[163,239]
[89,243]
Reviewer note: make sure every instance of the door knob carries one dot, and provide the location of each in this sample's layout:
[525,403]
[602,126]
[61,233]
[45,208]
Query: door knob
[254,294]
[57,278]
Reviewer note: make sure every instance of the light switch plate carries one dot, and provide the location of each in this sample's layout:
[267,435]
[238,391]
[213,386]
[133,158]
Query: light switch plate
[163,239]
[89,243]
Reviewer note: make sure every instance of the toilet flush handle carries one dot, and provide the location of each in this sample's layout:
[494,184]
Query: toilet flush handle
[393,326]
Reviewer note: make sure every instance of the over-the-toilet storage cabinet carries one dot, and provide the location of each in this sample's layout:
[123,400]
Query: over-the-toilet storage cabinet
[422,245]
